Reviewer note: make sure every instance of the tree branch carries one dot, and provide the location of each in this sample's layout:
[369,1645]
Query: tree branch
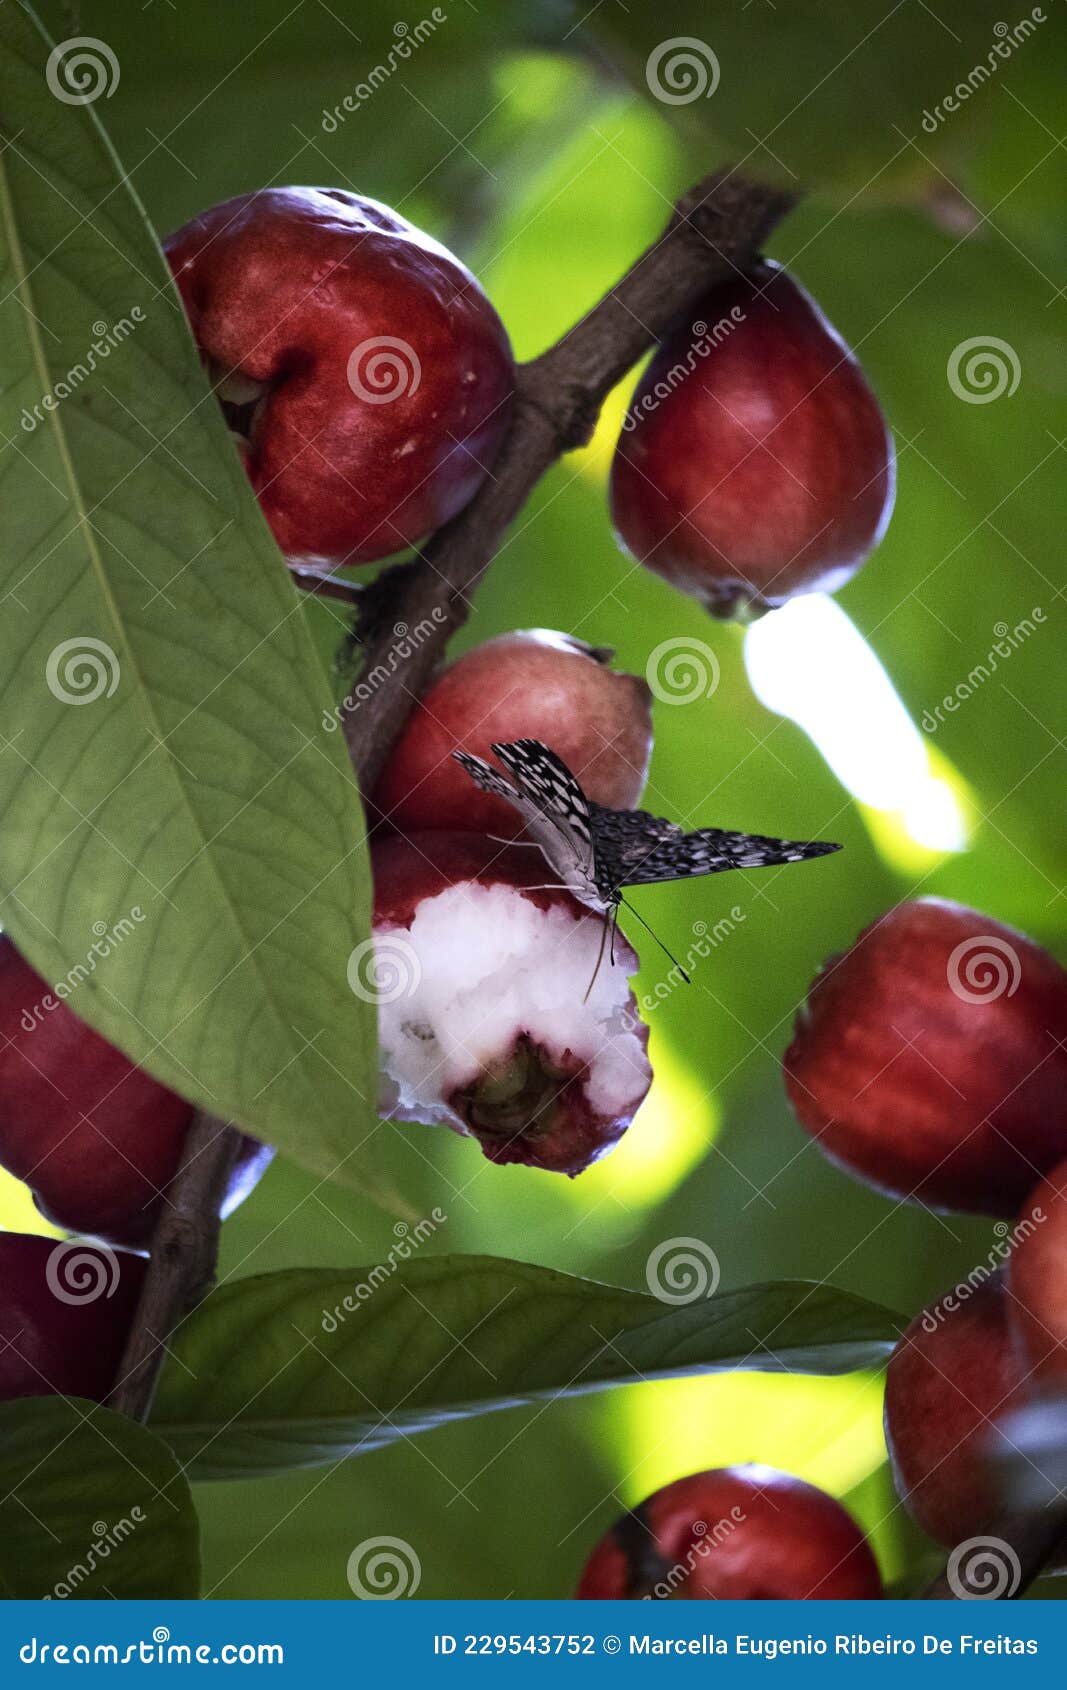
[181,1266]
[715,230]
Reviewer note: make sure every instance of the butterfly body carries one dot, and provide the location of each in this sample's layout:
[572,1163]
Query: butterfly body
[598,852]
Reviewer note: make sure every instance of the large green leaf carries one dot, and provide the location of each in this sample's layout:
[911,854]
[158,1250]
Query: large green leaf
[91,1505]
[279,1371]
[164,762]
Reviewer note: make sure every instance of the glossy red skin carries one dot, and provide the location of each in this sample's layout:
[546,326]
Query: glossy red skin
[961,1105]
[1037,1281]
[735,1533]
[533,684]
[95,1137]
[944,1389]
[282,286]
[407,871]
[767,469]
[50,1346]
[571,1135]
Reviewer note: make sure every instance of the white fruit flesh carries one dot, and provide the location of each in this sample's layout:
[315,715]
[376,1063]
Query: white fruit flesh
[482,966]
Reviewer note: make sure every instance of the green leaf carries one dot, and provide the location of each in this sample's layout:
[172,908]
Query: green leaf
[164,762]
[93,1505]
[278,1371]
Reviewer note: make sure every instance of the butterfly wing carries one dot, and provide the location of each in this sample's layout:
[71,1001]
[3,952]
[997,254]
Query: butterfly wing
[561,807]
[624,839]
[596,850]
[551,803]
[489,779]
[711,850]
[546,782]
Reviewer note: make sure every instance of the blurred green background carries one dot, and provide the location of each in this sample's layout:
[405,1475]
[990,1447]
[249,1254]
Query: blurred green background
[527,137]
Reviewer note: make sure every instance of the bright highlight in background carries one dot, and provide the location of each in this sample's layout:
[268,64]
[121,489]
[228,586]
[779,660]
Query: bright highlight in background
[674,1130]
[809,662]
[828,1431]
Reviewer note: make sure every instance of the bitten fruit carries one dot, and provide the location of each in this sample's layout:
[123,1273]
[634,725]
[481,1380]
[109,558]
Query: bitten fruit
[95,1137]
[754,462]
[953,1375]
[362,364]
[533,684]
[930,1059]
[1037,1280]
[65,1309]
[734,1534]
[489,1016]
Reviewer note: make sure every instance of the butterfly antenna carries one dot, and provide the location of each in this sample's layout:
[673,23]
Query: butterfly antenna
[599,958]
[658,940]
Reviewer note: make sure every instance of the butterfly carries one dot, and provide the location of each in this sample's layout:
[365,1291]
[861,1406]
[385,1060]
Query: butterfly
[597,852]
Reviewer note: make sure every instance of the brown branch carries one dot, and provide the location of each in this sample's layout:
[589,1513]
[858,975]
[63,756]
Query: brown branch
[181,1266]
[1032,1539]
[716,229]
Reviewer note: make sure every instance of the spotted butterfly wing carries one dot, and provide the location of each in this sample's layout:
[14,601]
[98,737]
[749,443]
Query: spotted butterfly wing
[640,850]
[550,802]
[599,851]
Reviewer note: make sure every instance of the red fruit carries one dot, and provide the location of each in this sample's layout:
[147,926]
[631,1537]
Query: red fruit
[734,1533]
[953,1375]
[97,1138]
[930,1058]
[363,362]
[534,684]
[754,462]
[65,1309]
[486,1017]
[1037,1280]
